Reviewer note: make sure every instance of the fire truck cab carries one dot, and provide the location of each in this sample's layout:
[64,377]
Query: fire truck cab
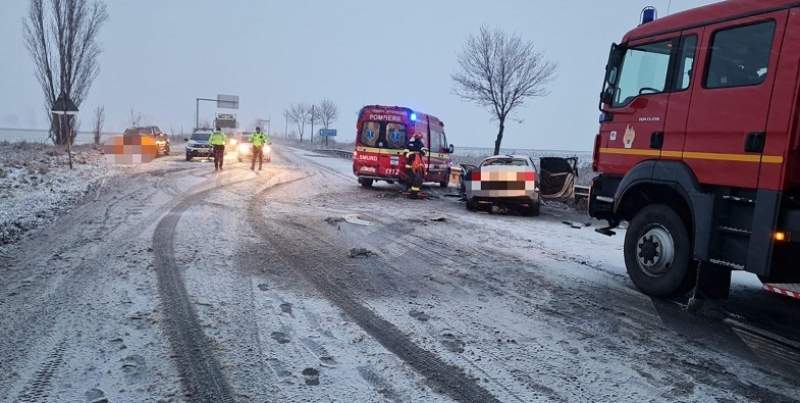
[699,147]
[382,134]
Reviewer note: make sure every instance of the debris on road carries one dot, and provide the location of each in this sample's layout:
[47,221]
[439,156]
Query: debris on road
[419,315]
[311,376]
[576,225]
[439,219]
[355,219]
[360,252]
[334,220]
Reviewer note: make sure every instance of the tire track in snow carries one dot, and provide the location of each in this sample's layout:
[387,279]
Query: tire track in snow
[201,374]
[447,378]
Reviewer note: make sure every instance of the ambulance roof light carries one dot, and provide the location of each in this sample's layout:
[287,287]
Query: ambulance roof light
[649,14]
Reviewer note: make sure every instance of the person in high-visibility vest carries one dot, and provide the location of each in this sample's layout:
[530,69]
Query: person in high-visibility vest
[217,141]
[258,139]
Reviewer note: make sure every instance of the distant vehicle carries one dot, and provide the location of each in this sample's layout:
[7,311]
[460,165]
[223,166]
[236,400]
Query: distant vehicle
[503,180]
[382,135]
[160,138]
[197,145]
[699,147]
[244,148]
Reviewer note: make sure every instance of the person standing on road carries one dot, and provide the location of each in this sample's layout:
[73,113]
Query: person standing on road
[217,141]
[258,139]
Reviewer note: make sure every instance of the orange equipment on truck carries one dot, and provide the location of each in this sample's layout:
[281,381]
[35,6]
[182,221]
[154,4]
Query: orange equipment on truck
[699,147]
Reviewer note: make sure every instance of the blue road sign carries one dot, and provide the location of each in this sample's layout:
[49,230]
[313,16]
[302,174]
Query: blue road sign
[327,132]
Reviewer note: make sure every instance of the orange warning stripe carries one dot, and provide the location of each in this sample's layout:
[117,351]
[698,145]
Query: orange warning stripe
[769,159]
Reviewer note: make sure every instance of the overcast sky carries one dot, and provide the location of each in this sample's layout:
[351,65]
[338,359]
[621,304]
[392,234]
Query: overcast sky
[159,55]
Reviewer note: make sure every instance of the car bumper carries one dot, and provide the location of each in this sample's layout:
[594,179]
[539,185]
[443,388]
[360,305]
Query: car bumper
[198,151]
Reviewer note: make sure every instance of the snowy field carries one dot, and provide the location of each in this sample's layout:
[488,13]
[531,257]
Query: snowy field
[36,184]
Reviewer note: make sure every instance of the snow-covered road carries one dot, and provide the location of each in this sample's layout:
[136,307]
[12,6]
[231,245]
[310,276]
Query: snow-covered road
[173,283]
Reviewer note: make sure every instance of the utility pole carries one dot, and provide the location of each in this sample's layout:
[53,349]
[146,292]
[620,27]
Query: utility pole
[286,121]
[313,116]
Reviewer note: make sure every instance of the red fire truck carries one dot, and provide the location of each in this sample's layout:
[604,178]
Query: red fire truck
[382,133]
[699,147]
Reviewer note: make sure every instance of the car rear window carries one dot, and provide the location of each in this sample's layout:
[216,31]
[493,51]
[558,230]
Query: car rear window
[516,162]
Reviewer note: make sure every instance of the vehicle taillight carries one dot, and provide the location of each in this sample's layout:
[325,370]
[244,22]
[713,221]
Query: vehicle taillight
[596,153]
[475,176]
[526,176]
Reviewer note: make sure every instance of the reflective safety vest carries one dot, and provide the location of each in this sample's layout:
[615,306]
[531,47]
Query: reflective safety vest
[217,139]
[258,139]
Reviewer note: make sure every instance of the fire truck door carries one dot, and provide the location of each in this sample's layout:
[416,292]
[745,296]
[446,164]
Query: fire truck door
[726,127]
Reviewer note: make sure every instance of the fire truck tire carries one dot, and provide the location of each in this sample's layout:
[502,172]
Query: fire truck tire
[658,253]
[367,183]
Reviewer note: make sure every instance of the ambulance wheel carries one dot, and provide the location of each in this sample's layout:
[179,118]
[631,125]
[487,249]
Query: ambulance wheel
[658,253]
[366,183]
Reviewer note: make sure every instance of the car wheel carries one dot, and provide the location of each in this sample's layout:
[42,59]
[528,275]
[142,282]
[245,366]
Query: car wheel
[366,183]
[188,157]
[533,209]
[658,253]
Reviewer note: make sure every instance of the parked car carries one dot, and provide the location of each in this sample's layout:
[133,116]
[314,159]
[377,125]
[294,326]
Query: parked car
[502,180]
[155,135]
[197,145]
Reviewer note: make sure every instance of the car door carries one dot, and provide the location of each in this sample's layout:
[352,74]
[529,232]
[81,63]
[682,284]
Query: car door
[726,126]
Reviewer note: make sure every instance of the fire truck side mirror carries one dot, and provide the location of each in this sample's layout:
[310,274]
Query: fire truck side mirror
[451,149]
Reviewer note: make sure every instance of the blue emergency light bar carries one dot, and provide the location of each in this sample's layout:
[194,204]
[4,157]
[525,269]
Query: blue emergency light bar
[413,117]
[649,14]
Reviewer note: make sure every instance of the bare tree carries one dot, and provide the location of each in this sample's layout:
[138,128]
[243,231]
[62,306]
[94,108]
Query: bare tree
[61,36]
[328,112]
[313,119]
[500,72]
[135,119]
[299,115]
[99,121]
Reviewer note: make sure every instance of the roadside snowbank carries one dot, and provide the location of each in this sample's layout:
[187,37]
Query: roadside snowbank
[36,184]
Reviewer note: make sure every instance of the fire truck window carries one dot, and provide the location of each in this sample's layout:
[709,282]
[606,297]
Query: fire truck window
[396,135]
[685,68]
[370,133]
[740,56]
[644,71]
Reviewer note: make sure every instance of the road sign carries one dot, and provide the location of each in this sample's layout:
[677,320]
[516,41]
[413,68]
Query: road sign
[227,101]
[327,132]
[226,121]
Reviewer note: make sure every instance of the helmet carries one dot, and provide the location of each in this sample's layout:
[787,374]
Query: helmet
[258,128]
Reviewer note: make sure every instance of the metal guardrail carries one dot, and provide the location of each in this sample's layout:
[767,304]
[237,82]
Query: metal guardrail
[348,154]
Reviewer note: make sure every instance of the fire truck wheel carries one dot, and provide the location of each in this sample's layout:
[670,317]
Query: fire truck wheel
[367,183]
[658,252]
